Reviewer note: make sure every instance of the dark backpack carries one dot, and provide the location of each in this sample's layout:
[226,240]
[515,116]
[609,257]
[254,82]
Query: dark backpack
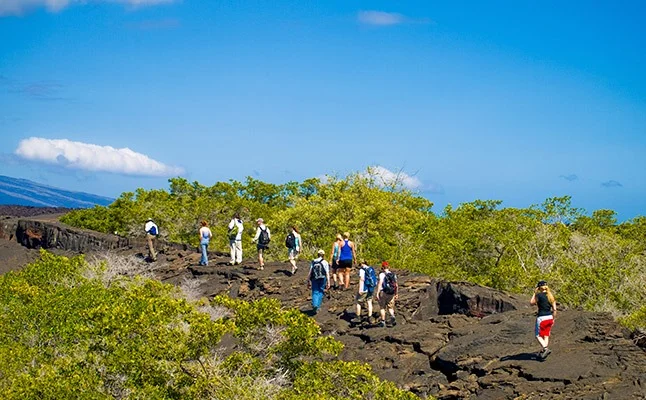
[153,230]
[390,283]
[290,241]
[263,239]
[318,270]
[369,279]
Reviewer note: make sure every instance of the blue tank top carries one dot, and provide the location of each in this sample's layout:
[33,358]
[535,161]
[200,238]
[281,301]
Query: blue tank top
[335,253]
[346,251]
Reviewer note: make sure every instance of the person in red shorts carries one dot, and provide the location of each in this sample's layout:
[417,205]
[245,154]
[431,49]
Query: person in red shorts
[546,303]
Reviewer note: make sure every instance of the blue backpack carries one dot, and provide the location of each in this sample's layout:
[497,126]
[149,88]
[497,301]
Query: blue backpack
[369,278]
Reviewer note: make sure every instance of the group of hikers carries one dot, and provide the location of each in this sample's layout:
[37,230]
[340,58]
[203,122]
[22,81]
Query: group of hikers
[322,273]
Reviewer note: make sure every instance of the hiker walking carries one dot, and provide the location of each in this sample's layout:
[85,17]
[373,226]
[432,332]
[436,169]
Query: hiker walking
[262,239]
[205,237]
[334,264]
[367,284]
[387,293]
[546,303]
[294,246]
[347,258]
[235,239]
[318,280]
[152,231]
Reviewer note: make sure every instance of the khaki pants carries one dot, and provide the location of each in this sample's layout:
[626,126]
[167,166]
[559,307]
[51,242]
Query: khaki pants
[151,248]
[236,251]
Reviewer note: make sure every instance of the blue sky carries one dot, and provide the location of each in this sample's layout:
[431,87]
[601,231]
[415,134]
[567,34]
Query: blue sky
[476,100]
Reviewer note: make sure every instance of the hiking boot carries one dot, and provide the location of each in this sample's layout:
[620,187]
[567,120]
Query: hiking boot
[393,321]
[315,310]
[382,324]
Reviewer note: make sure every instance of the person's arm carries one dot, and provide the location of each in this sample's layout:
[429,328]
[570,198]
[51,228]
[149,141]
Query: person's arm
[332,255]
[380,285]
[255,238]
[396,289]
[309,276]
[327,274]
[533,299]
[554,309]
[354,254]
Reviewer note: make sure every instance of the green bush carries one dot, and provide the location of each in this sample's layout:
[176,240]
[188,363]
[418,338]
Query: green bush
[74,330]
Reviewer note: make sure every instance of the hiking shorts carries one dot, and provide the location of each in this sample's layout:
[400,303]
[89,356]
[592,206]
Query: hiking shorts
[345,265]
[363,297]
[292,254]
[261,247]
[386,300]
[544,325]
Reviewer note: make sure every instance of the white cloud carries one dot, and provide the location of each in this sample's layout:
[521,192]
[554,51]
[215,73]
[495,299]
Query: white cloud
[20,7]
[386,177]
[380,18]
[91,157]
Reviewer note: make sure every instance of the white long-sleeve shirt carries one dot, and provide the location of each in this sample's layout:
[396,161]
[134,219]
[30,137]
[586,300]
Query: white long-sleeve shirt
[149,225]
[238,222]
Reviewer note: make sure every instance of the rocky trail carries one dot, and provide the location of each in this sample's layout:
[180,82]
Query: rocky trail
[453,340]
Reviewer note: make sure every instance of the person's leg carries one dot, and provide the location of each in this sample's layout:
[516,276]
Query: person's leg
[151,248]
[232,251]
[334,276]
[261,261]
[382,309]
[318,287]
[238,251]
[370,308]
[292,260]
[346,278]
[204,260]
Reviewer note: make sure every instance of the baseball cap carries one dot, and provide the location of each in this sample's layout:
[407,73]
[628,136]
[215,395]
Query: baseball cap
[541,283]
[260,220]
[385,264]
[321,251]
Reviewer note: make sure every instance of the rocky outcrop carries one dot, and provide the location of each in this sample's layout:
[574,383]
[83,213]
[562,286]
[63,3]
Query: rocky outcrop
[50,235]
[453,340]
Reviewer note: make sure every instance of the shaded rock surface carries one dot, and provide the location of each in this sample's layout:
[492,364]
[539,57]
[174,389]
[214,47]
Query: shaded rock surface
[453,340]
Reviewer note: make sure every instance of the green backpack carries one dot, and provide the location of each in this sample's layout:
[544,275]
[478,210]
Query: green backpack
[233,232]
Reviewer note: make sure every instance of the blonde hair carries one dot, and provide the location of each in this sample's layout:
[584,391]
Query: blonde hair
[346,235]
[548,292]
[339,237]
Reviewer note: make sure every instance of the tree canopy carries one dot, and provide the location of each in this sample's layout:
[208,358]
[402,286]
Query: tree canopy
[589,260]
